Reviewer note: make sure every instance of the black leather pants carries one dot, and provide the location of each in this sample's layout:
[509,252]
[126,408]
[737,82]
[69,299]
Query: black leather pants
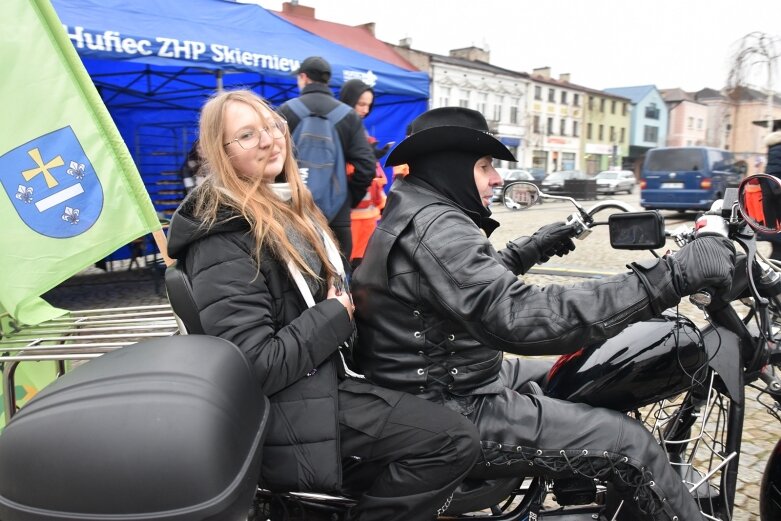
[402,456]
[526,431]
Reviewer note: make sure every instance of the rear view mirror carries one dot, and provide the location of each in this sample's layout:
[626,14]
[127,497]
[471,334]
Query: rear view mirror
[759,198]
[636,230]
[520,195]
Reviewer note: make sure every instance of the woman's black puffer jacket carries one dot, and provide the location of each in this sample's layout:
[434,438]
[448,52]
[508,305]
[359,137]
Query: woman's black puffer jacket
[292,347]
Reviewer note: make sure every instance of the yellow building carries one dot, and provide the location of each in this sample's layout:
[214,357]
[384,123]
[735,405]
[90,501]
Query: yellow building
[606,127]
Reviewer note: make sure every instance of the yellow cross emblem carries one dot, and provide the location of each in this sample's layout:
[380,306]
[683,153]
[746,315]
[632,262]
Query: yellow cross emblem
[35,154]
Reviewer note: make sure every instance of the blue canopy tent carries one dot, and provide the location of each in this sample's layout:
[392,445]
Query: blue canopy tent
[156,61]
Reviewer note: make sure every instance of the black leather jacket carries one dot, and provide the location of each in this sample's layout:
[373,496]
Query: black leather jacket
[436,304]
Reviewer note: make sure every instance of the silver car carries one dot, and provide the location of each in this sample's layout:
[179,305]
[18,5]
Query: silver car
[614,181]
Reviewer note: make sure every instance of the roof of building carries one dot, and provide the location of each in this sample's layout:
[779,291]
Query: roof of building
[708,93]
[566,84]
[636,94]
[475,64]
[676,95]
[358,38]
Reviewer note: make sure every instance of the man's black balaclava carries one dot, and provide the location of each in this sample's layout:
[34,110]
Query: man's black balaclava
[452,174]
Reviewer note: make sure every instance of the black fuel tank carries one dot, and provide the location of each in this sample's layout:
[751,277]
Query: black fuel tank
[645,363]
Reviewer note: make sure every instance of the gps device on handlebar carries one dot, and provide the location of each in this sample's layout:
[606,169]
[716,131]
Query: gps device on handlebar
[636,230]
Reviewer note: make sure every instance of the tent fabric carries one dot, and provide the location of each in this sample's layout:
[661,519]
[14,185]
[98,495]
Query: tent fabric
[155,62]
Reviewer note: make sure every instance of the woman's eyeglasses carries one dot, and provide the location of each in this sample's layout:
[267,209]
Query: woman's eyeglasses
[248,139]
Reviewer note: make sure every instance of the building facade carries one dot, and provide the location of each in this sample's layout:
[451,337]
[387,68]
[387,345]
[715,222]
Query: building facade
[648,122]
[607,119]
[554,122]
[465,78]
[688,119]
[739,121]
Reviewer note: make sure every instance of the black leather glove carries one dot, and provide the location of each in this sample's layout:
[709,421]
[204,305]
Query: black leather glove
[707,262]
[553,239]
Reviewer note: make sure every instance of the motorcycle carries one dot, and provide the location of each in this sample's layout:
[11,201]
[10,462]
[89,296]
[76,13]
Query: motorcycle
[172,428]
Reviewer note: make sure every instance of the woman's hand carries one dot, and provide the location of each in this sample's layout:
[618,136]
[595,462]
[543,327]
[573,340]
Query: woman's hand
[343,297]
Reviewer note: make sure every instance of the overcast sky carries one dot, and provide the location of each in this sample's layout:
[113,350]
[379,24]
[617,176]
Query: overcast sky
[601,43]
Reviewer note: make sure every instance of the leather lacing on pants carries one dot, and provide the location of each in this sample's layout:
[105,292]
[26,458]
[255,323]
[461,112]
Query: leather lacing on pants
[616,468]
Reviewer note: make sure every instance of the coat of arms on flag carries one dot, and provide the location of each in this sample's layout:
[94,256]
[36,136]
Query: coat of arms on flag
[52,184]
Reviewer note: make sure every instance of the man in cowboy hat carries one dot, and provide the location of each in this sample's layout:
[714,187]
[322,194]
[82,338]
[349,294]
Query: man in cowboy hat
[436,305]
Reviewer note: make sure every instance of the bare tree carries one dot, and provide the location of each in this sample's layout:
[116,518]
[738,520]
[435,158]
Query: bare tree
[756,50]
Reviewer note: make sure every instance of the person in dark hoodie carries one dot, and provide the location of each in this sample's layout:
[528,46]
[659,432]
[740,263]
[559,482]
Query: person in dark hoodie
[365,214]
[267,276]
[312,77]
[773,143]
[436,306]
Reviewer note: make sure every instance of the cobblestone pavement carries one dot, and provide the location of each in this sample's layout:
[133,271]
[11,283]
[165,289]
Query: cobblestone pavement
[94,288]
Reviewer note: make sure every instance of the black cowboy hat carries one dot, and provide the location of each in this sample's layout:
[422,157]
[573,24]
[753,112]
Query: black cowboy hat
[448,128]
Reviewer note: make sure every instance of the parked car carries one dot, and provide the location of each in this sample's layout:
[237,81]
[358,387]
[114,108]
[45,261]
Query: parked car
[613,181]
[555,181]
[538,173]
[508,176]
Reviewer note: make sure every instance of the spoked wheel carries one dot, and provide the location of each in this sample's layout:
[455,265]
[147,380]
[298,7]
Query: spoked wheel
[701,432]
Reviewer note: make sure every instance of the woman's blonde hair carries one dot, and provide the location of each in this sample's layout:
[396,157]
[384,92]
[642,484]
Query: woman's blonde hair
[251,197]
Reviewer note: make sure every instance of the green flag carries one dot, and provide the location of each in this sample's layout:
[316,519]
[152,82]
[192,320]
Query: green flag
[71,193]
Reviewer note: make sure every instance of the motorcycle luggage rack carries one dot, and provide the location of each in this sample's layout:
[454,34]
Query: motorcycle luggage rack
[78,336]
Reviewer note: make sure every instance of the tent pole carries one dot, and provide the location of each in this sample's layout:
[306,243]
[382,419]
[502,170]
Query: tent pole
[218,75]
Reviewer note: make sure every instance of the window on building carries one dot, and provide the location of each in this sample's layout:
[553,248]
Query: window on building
[612,134]
[563,127]
[514,114]
[652,112]
[536,124]
[601,134]
[591,102]
[498,108]
[624,109]
[550,126]
[650,134]
[537,92]
[575,130]
[690,123]
[482,102]
[602,104]
[552,95]
[623,134]
[699,123]
[576,100]
[444,97]
[564,97]
[612,106]
[463,101]
[588,130]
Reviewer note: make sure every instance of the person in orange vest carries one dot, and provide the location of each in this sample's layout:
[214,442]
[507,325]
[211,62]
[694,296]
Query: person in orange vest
[364,216]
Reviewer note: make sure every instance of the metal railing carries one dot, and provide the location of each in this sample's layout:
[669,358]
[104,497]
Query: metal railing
[79,336]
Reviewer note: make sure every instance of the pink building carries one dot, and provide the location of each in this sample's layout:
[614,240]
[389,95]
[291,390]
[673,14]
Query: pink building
[688,120]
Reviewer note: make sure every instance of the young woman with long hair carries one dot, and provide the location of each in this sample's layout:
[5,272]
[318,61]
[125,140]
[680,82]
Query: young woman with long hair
[267,276]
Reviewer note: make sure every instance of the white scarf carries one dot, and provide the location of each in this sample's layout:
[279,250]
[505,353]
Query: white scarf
[283,192]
